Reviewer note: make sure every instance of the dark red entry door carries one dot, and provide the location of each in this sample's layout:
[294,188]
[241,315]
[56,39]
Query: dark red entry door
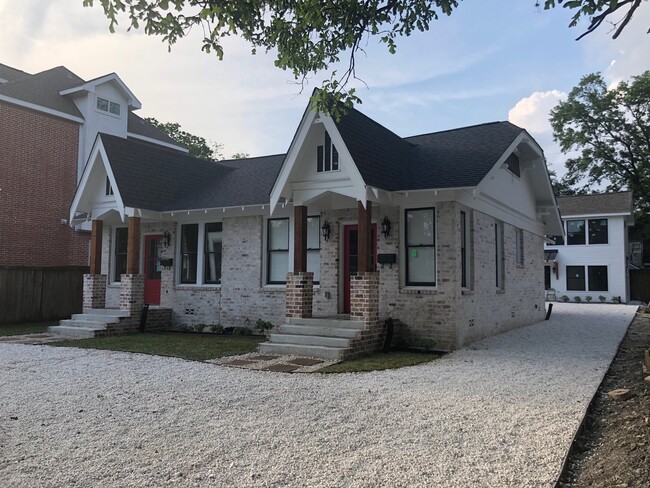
[351,258]
[152,268]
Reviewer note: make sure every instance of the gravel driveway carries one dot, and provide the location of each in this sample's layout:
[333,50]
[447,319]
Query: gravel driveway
[501,413]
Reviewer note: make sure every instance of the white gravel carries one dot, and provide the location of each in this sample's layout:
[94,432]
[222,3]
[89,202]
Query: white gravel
[501,413]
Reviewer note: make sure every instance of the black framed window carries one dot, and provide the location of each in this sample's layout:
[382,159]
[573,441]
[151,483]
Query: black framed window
[598,278]
[120,250]
[547,277]
[277,245]
[498,254]
[420,247]
[463,249]
[189,252]
[575,278]
[575,230]
[212,253]
[313,247]
[598,231]
[519,247]
[109,188]
[513,164]
[327,157]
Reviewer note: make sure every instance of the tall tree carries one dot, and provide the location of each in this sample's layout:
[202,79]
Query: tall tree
[311,35]
[610,128]
[198,146]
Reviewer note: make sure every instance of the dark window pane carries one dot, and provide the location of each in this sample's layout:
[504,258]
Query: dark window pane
[189,250]
[463,249]
[153,259]
[547,277]
[598,231]
[575,278]
[277,244]
[513,164]
[319,159]
[575,232]
[598,278]
[212,253]
[328,151]
[121,244]
[335,158]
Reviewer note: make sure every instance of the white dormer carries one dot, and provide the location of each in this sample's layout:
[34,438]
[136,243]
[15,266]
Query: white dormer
[105,103]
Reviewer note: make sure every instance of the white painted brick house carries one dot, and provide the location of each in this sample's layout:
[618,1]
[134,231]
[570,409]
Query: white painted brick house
[442,232]
[591,257]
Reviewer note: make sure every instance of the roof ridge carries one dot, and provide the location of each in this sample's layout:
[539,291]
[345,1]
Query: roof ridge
[462,128]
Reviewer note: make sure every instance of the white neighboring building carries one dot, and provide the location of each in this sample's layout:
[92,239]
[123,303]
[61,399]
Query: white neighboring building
[591,258]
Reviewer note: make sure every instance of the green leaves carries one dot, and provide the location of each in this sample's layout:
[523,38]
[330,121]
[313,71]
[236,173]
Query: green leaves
[198,146]
[609,130]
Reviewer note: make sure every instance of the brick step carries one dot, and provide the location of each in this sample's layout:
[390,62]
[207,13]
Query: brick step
[322,352]
[329,323]
[318,331]
[87,324]
[74,332]
[309,340]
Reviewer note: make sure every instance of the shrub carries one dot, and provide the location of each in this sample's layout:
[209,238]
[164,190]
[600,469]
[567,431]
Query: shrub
[243,331]
[589,298]
[216,328]
[199,327]
[564,298]
[263,325]
[602,298]
[577,299]
[183,328]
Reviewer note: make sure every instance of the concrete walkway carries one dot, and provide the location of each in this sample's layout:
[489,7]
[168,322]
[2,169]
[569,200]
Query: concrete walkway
[501,413]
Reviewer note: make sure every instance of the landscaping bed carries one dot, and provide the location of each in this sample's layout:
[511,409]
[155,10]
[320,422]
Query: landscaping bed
[613,449]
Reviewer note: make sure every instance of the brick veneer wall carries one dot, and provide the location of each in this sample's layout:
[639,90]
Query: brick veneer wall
[364,307]
[94,291]
[38,164]
[299,295]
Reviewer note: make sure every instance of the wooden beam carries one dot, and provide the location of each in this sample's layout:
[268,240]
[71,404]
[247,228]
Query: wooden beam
[133,247]
[96,248]
[300,239]
[364,217]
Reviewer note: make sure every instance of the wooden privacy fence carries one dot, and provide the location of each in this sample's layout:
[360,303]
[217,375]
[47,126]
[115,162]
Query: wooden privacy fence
[640,284]
[40,294]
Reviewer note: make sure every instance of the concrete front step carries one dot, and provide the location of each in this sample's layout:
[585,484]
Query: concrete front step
[74,332]
[309,340]
[92,317]
[114,312]
[322,352]
[88,324]
[314,330]
[329,323]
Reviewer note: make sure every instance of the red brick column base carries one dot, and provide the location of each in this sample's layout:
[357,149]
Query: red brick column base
[94,291]
[299,295]
[132,293]
[364,307]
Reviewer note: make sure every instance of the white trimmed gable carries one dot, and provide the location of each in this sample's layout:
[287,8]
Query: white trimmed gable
[299,179]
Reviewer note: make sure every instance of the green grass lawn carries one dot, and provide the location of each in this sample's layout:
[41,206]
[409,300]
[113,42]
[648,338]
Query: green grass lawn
[188,346]
[379,361]
[20,329]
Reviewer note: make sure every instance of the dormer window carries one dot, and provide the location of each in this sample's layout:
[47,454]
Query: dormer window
[107,106]
[327,157]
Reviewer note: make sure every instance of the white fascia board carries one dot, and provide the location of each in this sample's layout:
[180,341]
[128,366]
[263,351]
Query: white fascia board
[156,141]
[40,108]
[90,87]
[290,159]
[592,216]
[204,211]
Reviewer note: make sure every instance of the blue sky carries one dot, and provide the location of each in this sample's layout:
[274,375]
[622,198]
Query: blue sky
[490,60]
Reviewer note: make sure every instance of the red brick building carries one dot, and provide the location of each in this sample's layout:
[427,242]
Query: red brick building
[48,123]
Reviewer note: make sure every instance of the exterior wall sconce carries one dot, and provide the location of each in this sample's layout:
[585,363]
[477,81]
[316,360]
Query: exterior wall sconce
[326,230]
[385,227]
[166,239]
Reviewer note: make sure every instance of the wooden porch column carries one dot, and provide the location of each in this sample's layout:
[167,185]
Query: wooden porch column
[133,246]
[96,248]
[300,239]
[364,216]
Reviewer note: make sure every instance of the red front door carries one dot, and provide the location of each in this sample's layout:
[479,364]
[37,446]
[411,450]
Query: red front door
[152,268]
[351,256]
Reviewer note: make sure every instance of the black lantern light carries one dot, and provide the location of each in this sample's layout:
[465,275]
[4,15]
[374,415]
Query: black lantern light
[326,230]
[385,227]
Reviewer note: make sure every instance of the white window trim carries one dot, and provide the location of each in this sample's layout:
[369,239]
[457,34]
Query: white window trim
[200,248]
[108,112]
[403,259]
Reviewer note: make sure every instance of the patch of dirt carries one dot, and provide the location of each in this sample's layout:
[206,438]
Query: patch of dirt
[613,449]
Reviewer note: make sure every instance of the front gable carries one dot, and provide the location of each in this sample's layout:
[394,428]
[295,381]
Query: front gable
[300,179]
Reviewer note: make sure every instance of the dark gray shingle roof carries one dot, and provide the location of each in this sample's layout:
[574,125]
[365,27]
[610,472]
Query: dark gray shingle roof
[43,89]
[154,178]
[602,203]
[137,125]
[12,74]
[448,159]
